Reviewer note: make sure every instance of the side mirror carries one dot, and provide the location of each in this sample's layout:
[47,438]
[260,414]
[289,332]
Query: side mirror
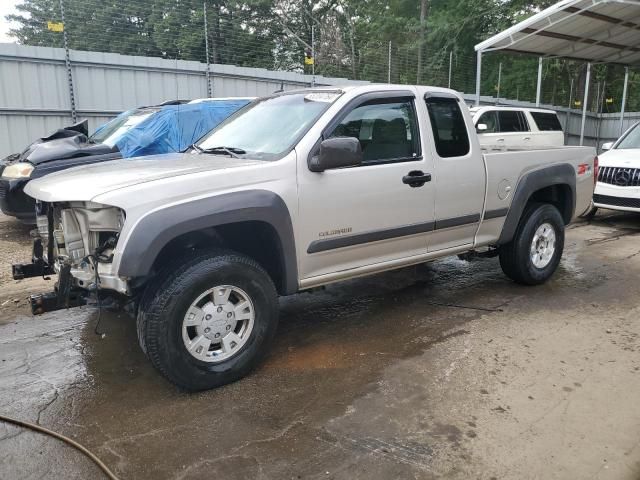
[338,152]
[607,146]
[481,127]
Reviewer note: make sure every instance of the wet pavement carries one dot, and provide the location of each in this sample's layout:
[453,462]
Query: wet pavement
[445,370]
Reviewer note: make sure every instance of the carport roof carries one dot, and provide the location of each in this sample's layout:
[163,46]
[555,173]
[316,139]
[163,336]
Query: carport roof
[605,31]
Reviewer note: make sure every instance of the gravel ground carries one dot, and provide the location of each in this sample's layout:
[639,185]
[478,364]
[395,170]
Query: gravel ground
[15,247]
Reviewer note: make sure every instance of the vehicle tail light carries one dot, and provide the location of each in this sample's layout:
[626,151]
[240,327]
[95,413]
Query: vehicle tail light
[595,170]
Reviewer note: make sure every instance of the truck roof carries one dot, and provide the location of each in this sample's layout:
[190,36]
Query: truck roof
[370,87]
[510,109]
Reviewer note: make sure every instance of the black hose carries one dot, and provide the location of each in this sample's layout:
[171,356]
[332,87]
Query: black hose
[67,440]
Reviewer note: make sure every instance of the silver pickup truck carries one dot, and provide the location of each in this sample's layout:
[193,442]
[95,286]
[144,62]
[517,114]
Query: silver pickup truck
[302,189]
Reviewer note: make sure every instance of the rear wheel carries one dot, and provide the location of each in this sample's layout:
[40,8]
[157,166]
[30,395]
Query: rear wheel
[534,253]
[210,321]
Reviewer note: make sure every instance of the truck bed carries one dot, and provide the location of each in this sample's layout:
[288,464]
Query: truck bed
[505,167]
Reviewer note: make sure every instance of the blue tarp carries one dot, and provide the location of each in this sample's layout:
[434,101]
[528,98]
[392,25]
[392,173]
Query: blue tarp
[175,127]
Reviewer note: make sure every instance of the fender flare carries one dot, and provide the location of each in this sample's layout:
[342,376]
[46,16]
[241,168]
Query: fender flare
[562,174]
[155,230]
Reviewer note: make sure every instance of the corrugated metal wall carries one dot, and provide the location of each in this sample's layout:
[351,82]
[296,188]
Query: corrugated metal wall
[34,94]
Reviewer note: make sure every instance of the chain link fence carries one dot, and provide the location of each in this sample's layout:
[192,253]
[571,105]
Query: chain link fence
[309,41]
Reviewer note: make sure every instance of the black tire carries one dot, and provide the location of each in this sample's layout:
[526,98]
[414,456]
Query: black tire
[165,303]
[515,257]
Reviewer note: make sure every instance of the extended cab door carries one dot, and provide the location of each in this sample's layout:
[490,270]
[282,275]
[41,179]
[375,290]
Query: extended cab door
[459,175]
[367,217]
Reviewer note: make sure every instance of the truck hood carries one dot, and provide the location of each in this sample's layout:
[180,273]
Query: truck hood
[87,182]
[63,148]
[629,158]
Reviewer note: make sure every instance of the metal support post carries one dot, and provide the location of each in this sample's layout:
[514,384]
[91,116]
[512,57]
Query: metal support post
[313,55]
[584,103]
[67,61]
[624,98]
[499,82]
[450,66]
[206,49]
[478,76]
[539,87]
[389,72]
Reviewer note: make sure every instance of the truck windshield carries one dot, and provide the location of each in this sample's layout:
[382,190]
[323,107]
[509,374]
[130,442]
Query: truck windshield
[271,127]
[631,139]
[110,132]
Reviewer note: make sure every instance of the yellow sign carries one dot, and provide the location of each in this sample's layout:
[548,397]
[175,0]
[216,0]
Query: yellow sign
[55,26]
[609,100]
[308,60]
[577,103]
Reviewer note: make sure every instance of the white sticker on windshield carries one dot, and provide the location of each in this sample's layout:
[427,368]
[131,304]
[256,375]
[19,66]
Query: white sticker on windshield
[327,97]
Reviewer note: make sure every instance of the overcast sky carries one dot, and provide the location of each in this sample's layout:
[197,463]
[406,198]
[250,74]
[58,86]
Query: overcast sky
[6,7]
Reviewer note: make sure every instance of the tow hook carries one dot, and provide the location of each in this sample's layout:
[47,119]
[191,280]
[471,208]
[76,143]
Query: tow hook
[64,296]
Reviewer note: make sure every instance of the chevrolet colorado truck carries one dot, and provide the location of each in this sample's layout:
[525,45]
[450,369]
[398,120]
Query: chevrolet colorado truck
[301,189]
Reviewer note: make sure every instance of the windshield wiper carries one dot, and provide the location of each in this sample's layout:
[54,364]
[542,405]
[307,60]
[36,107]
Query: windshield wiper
[231,151]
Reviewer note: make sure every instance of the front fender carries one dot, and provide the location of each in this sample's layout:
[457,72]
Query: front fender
[154,231]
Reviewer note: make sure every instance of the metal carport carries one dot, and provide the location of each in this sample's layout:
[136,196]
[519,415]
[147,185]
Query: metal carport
[593,31]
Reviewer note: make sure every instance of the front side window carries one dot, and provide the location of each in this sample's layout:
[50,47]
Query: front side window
[512,121]
[387,130]
[490,120]
[631,139]
[547,122]
[271,127]
[449,128]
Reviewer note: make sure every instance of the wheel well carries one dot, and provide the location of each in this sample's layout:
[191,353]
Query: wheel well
[254,239]
[560,196]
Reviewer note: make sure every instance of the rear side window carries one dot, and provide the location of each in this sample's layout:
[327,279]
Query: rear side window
[547,122]
[512,121]
[449,129]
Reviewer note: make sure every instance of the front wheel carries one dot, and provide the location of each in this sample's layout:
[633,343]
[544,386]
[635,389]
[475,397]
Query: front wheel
[534,253]
[210,320]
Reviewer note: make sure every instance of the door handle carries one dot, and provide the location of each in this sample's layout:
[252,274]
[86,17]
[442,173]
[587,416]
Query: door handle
[416,178]
[527,138]
[500,140]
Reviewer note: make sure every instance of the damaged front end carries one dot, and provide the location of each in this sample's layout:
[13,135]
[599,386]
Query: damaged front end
[79,239]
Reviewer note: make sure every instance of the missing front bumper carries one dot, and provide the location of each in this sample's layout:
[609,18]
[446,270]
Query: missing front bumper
[64,296]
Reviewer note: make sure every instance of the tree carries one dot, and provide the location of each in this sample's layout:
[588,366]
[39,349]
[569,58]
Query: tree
[352,37]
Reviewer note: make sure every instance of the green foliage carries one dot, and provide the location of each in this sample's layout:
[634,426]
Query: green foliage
[352,38]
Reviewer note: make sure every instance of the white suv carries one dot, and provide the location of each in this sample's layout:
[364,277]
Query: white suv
[517,127]
[618,186]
